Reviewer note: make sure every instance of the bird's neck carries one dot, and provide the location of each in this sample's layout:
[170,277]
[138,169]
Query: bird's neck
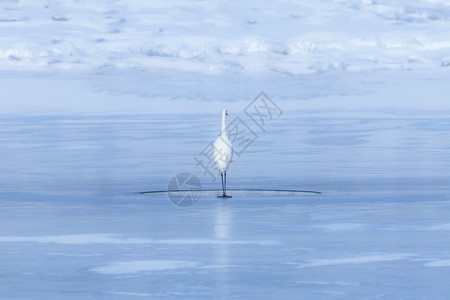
[224,126]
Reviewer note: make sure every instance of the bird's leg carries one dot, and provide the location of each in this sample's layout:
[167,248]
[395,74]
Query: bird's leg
[225,180]
[223,189]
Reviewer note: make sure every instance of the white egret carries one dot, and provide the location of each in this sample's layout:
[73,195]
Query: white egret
[223,153]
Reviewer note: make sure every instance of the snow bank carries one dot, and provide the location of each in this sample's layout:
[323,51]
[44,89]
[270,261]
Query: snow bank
[285,37]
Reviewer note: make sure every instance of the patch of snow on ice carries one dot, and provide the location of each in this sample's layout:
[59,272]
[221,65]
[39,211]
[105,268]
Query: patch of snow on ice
[438,227]
[74,239]
[338,283]
[134,294]
[129,267]
[356,260]
[439,263]
[115,239]
[340,226]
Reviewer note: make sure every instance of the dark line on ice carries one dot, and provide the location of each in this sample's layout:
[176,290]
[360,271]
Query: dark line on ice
[235,190]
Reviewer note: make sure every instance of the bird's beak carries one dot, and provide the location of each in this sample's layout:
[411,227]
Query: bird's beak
[226,113]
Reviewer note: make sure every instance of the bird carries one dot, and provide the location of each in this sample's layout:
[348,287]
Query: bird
[223,153]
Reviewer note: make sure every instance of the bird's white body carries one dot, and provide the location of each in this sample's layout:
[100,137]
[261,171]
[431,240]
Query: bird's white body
[223,152]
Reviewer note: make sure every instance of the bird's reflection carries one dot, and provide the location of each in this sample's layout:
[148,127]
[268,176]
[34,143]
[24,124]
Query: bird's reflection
[222,221]
[222,232]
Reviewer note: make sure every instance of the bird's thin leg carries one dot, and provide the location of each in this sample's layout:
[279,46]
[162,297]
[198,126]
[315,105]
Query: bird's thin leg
[223,189]
[225,180]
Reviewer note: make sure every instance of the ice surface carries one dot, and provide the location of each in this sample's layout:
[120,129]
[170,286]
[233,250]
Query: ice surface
[103,100]
[134,246]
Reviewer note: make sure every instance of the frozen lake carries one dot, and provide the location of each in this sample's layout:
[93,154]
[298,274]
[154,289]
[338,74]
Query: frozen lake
[103,100]
[74,225]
